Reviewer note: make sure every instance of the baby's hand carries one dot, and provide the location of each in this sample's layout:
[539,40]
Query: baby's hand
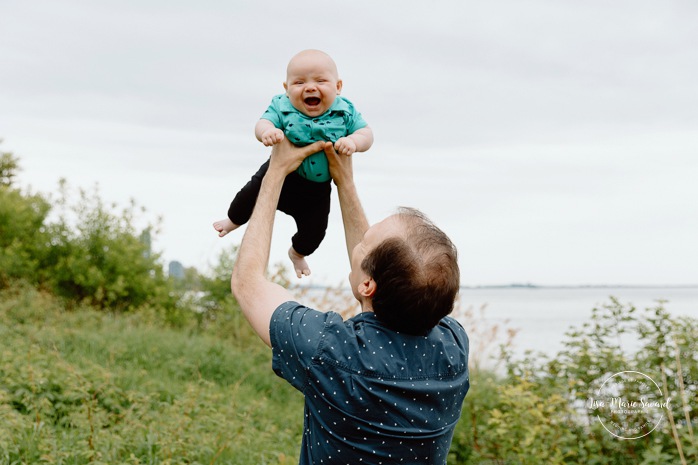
[345,146]
[272,136]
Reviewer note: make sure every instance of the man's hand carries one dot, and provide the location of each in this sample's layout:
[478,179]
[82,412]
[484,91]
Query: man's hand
[341,168]
[286,157]
[272,136]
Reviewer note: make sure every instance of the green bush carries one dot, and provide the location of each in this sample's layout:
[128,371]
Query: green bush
[22,234]
[536,413]
[95,256]
[80,248]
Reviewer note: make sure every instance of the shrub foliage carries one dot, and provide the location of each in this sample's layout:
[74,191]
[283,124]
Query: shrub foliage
[80,249]
[107,360]
[539,412]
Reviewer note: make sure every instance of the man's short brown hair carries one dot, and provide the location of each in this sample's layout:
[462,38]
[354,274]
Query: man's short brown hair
[416,274]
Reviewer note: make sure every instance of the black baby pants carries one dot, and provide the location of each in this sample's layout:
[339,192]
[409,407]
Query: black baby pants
[307,202]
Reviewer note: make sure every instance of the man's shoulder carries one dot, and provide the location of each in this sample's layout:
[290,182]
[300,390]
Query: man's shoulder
[294,315]
[453,324]
[451,327]
[293,309]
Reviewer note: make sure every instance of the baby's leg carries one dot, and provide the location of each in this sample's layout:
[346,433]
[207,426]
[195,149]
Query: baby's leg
[308,203]
[299,263]
[224,227]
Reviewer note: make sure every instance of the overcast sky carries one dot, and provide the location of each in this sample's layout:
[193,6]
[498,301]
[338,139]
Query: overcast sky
[555,141]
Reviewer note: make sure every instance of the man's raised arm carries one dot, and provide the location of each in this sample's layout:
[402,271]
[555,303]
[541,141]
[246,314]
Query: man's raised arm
[258,297]
[353,216]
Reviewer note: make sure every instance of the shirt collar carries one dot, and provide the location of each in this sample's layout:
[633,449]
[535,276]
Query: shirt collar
[339,105]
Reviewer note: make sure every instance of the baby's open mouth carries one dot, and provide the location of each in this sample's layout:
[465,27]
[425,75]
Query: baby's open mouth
[312,101]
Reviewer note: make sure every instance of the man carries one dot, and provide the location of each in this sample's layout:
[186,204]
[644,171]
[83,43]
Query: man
[386,386]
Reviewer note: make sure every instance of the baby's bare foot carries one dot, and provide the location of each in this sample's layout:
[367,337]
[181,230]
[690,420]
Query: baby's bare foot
[224,227]
[299,263]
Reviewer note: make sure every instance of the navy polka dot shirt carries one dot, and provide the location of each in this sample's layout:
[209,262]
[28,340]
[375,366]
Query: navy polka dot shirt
[372,395]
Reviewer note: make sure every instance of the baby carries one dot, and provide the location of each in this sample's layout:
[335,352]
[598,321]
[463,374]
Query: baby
[311,110]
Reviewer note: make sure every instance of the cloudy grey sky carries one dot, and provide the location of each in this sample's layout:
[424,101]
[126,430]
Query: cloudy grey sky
[556,141]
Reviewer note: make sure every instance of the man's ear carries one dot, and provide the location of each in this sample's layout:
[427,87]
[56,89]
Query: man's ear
[367,288]
[339,87]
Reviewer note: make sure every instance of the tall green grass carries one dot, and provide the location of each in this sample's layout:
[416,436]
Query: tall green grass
[85,387]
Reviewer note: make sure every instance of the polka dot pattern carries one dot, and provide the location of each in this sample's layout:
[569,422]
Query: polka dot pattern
[372,395]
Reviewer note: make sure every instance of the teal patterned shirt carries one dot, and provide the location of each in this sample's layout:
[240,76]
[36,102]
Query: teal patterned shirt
[340,120]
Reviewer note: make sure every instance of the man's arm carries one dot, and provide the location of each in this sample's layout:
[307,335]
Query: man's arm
[353,216]
[258,297]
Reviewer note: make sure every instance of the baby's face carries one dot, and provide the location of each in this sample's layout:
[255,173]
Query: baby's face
[312,83]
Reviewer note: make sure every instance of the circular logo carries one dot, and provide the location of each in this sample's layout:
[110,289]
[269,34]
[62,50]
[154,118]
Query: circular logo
[629,405]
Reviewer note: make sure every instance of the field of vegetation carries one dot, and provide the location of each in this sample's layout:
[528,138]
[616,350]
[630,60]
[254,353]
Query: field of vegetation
[104,359]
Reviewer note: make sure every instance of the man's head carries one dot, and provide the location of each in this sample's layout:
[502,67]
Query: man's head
[312,82]
[406,270]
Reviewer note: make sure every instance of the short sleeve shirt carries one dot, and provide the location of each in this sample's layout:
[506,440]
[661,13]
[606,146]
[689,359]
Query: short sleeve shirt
[372,395]
[340,120]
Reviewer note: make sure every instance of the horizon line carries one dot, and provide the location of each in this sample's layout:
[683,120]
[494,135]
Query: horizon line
[546,286]
[581,286]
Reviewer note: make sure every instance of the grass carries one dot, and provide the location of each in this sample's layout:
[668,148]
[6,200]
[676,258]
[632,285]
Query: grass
[86,387]
[89,387]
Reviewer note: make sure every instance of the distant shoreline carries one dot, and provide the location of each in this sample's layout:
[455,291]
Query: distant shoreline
[542,286]
[584,286]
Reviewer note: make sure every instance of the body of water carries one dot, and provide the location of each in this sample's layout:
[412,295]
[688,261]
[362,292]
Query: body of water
[542,315]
